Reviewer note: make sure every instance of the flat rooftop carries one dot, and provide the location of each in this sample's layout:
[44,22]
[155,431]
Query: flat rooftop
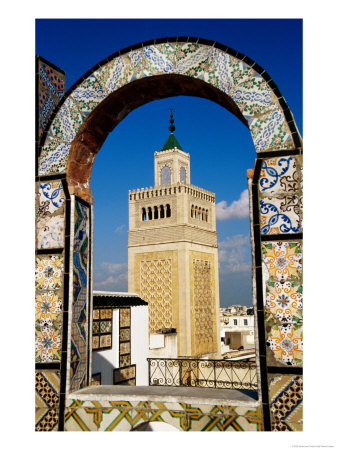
[191,395]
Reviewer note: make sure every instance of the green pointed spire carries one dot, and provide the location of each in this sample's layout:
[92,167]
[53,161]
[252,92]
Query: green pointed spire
[171,142]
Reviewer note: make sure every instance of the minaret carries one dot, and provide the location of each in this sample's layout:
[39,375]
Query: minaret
[173,255]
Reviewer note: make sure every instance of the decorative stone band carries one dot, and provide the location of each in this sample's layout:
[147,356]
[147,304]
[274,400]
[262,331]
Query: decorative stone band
[178,233]
[172,189]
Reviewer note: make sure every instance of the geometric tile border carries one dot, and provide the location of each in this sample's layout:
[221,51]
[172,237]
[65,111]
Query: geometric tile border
[124,416]
[286,402]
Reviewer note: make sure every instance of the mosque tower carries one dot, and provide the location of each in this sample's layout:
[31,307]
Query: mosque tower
[173,254]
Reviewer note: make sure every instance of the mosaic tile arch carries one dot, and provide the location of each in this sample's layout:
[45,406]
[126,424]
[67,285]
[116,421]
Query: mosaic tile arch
[236,76]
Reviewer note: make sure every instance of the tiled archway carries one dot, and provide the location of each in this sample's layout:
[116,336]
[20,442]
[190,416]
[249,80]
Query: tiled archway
[74,135]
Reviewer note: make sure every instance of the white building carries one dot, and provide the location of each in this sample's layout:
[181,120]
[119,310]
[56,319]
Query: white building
[120,343]
[237,328]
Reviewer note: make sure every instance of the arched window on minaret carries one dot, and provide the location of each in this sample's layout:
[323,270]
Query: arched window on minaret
[165,176]
[144,214]
[206,215]
[192,210]
[155,212]
[199,213]
[203,214]
[150,214]
[161,212]
[183,175]
[168,212]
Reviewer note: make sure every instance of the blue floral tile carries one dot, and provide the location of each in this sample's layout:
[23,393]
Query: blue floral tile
[53,157]
[89,94]
[158,59]
[270,132]
[280,214]
[192,59]
[218,72]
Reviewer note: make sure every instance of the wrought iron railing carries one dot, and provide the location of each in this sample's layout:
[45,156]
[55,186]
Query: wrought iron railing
[214,373]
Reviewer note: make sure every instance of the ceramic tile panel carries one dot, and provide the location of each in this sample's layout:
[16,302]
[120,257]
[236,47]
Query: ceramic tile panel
[218,73]
[116,73]
[193,59]
[47,388]
[66,123]
[124,348]
[46,419]
[124,334]
[53,157]
[286,402]
[284,301]
[270,132]
[96,314]
[158,59]
[116,420]
[48,308]
[105,326]
[125,373]
[50,225]
[51,81]
[125,360]
[50,232]
[280,175]
[51,89]
[286,343]
[48,272]
[47,105]
[136,62]
[282,214]
[282,261]
[89,94]
[81,419]
[124,317]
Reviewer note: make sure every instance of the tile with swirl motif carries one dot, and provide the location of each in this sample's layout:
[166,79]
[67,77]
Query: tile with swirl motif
[48,307]
[53,157]
[158,59]
[280,175]
[286,343]
[47,343]
[193,59]
[88,95]
[284,301]
[66,124]
[218,72]
[282,214]
[270,132]
[282,261]
[48,272]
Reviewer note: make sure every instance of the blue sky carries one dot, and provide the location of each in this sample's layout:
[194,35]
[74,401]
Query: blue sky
[220,146]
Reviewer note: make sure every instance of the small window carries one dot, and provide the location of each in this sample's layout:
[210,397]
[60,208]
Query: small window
[150,214]
[168,211]
[165,176]
[155,212]
[235,321]
[144,214]
[245,321]
[183,175]
[161,212]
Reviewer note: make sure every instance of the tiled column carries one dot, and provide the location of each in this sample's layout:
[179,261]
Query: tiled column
[277,228]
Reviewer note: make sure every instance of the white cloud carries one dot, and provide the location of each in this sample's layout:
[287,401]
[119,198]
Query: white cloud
[111,277]
[234,254]
[239,209]
[120,229]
